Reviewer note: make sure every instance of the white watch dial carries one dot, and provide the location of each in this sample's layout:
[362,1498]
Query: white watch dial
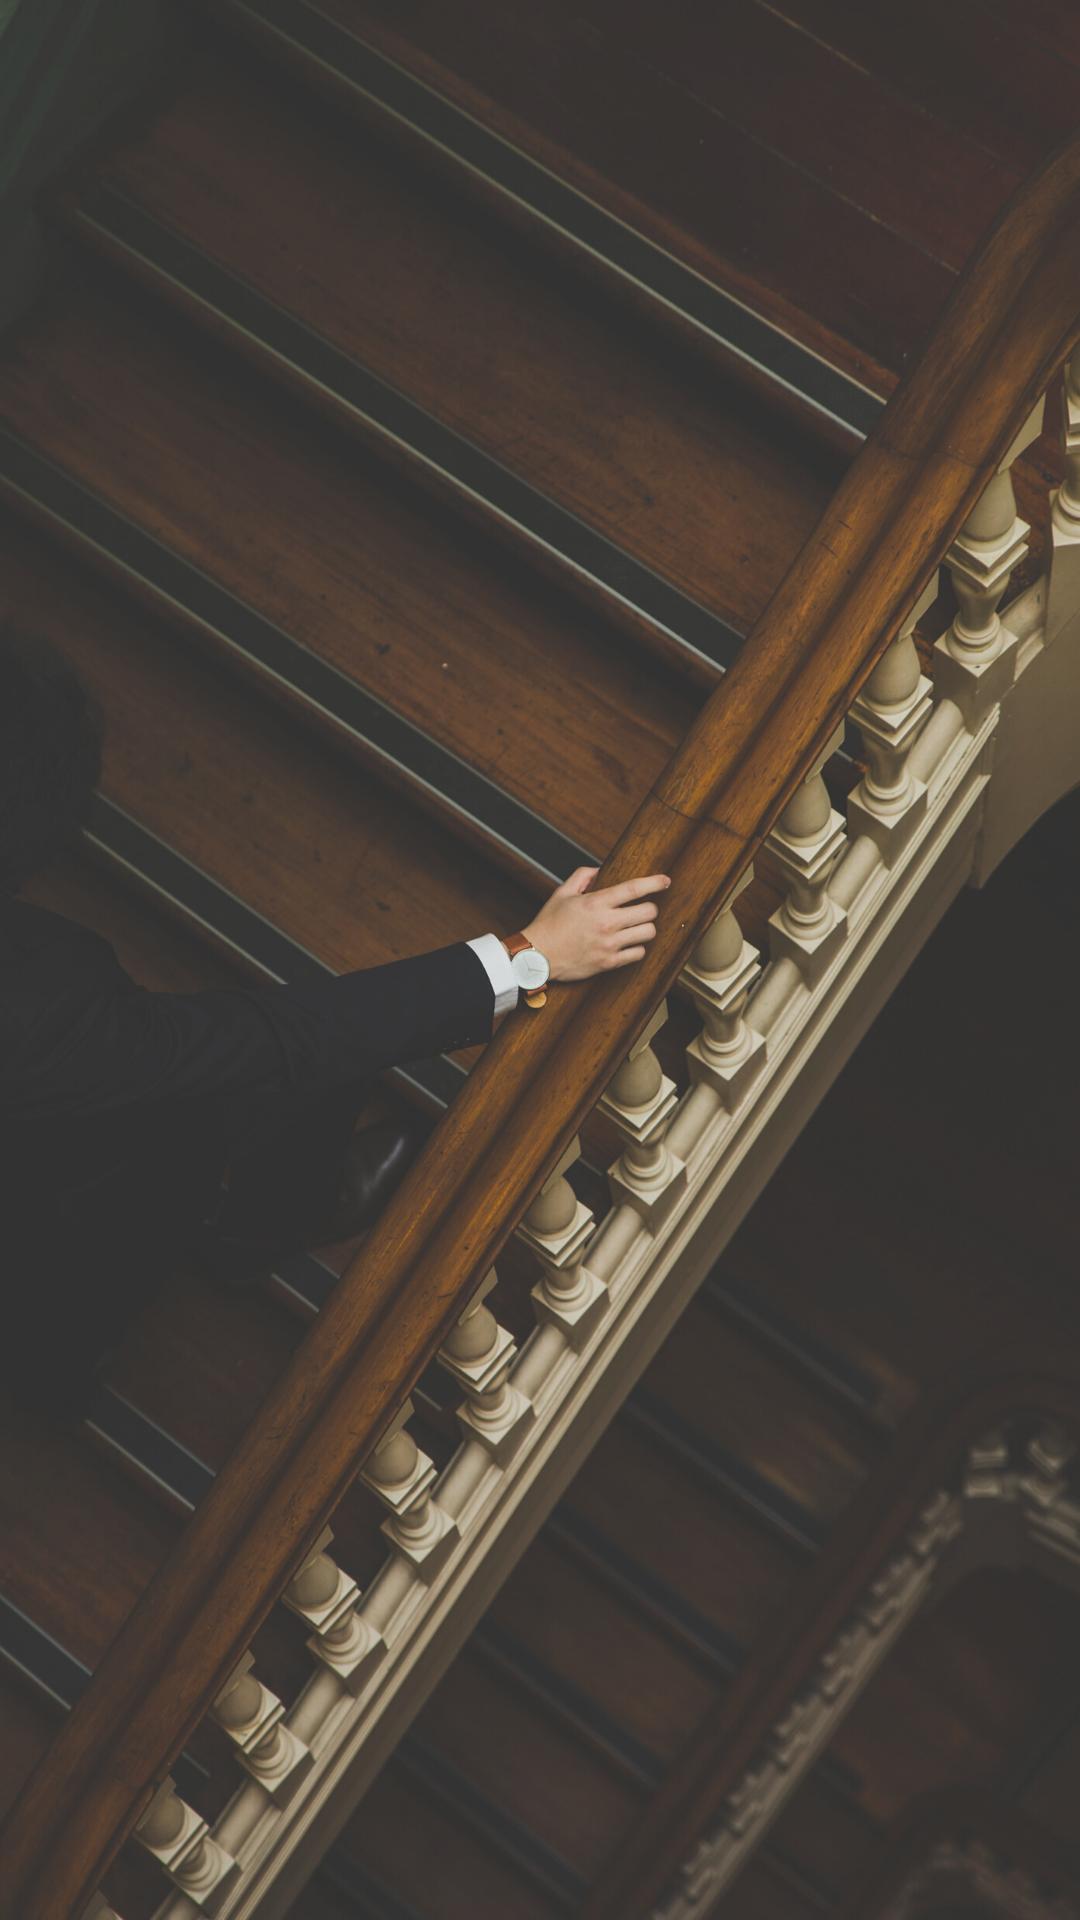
[530,969]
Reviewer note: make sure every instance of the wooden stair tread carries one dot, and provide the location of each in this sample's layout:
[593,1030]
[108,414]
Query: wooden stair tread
[1006,79]
[319,539]
[803,102]
[565,1621]
[724,1385]
[80,1544]
[676,465]
[311,845]
[710,1551]
[745,217]
[381,1839]
[524,1764]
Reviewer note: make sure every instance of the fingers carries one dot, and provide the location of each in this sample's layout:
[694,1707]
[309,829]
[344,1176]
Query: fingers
[628,954]
[635,935]
[626,890]
[579,881]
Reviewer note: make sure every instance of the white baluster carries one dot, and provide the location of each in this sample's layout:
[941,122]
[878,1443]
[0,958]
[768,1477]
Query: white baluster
[1063,597]
[890,713]
[975,661]
[402,1477]
[556,1228]
[326,1598]
[254,1719]
[479,1353]
[182,1844]
[801,852]
[640,1102]
[727,1055]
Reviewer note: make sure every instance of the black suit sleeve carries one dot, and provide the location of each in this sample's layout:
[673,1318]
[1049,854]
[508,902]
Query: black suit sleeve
[113,1044]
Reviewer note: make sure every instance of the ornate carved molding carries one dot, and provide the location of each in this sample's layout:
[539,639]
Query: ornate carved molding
[1023,1476]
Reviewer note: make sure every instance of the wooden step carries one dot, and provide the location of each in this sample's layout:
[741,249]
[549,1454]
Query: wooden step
[303,562]
[633,1695]
[711,1394]
[308,842]
[706,1570]
[666,485]
[1006,80]
[524,1777]
[378,1870]
[546,112]
[79,1543]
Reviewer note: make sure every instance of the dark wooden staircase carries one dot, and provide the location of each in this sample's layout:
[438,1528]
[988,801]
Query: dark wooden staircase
[419,408]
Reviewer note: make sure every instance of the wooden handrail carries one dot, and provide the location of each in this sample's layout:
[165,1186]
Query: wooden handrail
[1000,1386]
[1013,319]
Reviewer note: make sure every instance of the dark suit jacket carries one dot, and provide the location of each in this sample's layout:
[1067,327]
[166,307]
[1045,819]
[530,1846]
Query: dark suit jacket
[111,1095]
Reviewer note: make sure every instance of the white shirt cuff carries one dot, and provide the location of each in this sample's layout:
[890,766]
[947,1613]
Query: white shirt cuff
[495,961]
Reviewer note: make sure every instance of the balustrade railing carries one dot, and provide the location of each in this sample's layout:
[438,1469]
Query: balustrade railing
[932,487]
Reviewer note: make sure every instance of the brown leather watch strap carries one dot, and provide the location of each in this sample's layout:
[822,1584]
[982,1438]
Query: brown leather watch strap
[516,943]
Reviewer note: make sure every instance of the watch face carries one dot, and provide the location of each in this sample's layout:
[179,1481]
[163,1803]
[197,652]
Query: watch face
[530,969]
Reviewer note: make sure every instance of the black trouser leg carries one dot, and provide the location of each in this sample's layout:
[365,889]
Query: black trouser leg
[285,1163]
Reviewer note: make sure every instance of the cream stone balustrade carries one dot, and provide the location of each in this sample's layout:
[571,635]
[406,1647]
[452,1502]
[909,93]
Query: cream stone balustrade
[253,1719]
[1064,592]
[183,1845]
[639,1102]
[479,1354]
[723,972]
[975,660]
[800,853]
[402,1478]
[556,1228]
[326,1598]
[890,713]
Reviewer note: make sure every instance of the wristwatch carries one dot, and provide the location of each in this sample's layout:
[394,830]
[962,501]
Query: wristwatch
[529,968]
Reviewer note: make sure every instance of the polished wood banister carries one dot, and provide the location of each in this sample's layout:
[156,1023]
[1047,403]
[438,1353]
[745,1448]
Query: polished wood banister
[997,1386]
[1015,316]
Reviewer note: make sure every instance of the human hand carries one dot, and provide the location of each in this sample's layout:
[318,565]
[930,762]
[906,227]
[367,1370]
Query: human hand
[581,933]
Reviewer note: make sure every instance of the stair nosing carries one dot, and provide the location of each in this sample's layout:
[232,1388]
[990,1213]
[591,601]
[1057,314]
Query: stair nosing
[646,1592]
[369,723]
[531,1856]
[566,1703]
[851,1385]
[780,1513]
[621,248]
[377,408]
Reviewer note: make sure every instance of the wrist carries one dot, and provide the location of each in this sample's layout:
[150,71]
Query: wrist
[535,935]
